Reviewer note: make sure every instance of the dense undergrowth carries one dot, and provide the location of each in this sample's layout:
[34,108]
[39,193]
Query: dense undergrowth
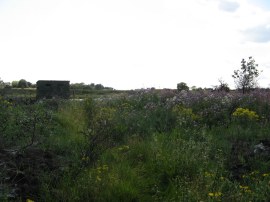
[146,146]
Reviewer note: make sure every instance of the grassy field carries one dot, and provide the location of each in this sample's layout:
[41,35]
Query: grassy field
[137,146]
[30,93]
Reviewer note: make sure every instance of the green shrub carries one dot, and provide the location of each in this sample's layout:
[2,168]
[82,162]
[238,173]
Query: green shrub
[245,117]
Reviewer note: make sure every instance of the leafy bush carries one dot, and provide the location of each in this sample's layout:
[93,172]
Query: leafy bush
[24,124]
[245,114]
[22,83]
[185,116]
[182,86]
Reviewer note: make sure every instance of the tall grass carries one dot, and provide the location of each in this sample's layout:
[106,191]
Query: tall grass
[165,146]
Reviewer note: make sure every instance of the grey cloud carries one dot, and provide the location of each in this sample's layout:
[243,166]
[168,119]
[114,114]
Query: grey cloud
[259,34]
[229,6]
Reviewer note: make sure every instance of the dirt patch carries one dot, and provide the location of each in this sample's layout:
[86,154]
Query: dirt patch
[21,172]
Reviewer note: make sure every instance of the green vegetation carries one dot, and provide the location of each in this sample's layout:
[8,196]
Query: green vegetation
[25,90]
[223,86]
[245,78]
[137,146]
[182,86]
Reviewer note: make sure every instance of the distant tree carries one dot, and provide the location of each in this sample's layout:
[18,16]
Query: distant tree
[99,87]
[14,84]
[206,89]
[193,88]
[108,88]
[22,83]
[7,85]
[29,84]
[92,85]
[77,85]
[222,86]
[182,86]
[245,78]
[2,84]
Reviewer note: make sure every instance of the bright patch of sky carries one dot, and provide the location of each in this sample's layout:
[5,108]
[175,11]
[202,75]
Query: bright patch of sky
[264,4]
[128,44]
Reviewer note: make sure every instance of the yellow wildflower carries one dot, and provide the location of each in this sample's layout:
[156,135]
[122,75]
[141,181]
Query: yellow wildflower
[215,194]
[98,179]
[85,158]
[207,174]
[254,172]
[248,191]
[105,167]
[243,187]
[241,112]
[124,148]
[29,200]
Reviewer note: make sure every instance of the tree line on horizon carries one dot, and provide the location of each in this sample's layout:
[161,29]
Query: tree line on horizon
[245,78]
[22,83]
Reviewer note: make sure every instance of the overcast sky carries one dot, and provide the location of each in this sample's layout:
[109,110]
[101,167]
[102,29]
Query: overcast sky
[129,44]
